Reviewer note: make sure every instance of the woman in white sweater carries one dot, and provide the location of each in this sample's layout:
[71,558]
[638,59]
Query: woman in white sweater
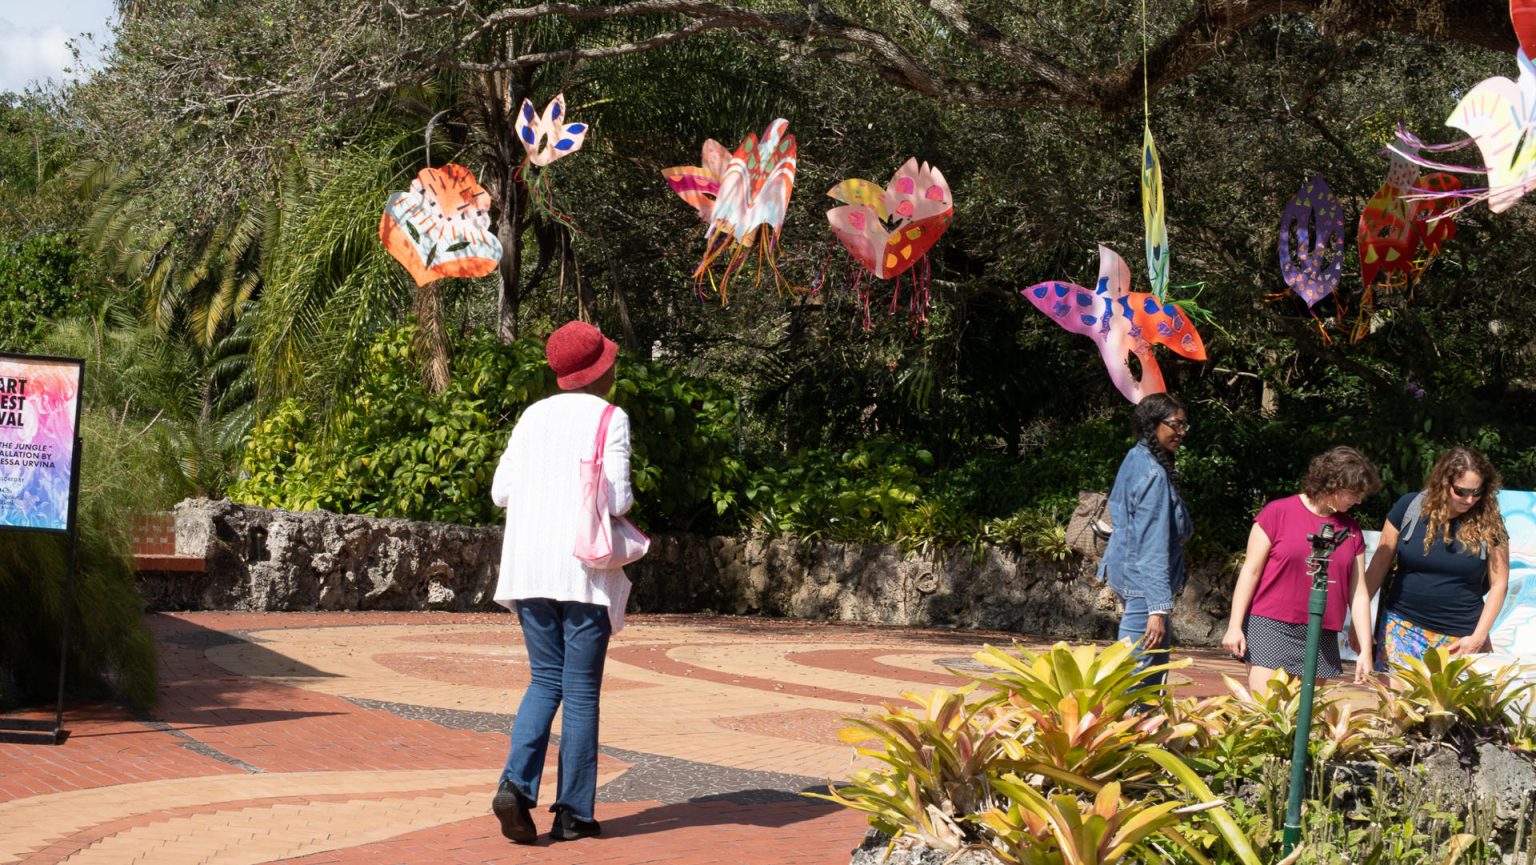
[567,609]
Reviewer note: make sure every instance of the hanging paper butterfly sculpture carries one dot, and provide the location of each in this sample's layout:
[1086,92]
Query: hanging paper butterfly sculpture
[889,231]
[742,199]
[1153,216]
[1499,115]
[1401,231]
[1312,242]
[441,226]
[548,136]
[1122,322]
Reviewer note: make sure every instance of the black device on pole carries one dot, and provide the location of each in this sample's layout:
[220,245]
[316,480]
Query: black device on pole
[1323,544]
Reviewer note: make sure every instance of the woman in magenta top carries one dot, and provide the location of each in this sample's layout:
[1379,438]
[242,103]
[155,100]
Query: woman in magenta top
[1268,627]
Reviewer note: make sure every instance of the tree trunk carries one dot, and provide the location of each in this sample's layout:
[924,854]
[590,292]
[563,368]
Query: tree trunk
[501,94]
[431,338]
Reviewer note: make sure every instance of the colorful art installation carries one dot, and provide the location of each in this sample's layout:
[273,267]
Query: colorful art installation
[742,199]
[1153,216]
[1121,322]
[1512,631]
[1499,115]
[1312,242]
[1401,231]
[889,231]
[441,226]
[548,136]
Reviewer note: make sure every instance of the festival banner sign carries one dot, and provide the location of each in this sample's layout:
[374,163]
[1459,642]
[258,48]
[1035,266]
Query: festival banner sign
[39,417]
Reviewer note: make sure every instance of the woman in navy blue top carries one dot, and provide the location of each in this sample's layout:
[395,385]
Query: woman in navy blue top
[1144,561]
[1452,555]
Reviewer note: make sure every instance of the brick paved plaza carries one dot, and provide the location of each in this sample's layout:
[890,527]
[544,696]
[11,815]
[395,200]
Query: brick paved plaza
[377,738]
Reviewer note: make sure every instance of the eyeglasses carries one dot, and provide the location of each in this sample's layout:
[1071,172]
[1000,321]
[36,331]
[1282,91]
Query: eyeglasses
[1468,492]
[1179,426]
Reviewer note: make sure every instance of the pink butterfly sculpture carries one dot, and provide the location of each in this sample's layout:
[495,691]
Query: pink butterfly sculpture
[738,195]
[441,226]
[547,136]
[890,230]
[1122,322]
[1499,115]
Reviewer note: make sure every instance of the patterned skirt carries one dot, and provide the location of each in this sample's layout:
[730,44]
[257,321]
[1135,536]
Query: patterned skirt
[1283,646]
[1403,640]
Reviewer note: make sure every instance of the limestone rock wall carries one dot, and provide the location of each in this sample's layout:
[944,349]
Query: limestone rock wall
[278,560]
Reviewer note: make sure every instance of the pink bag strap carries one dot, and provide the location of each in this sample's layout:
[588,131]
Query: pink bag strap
[602,434]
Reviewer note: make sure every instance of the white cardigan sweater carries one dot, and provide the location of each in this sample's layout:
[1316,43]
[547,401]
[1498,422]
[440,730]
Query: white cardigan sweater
[538,481]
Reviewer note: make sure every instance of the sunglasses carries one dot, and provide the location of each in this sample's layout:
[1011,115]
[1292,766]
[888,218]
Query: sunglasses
[1468,492]
[1179,426]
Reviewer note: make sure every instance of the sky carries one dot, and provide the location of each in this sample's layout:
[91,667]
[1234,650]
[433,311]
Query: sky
[34,36]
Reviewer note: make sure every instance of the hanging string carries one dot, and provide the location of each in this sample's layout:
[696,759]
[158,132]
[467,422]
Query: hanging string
[1146,108]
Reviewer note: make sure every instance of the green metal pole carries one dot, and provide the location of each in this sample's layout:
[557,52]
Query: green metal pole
[1322,547]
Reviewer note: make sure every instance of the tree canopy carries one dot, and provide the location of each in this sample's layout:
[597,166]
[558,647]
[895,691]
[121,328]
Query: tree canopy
[232,160]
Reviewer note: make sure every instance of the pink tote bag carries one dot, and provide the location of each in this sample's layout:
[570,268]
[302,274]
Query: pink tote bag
[603,540]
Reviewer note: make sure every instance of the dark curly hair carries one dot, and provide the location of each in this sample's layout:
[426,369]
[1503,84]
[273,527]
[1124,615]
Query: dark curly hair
[1153,409]
[1340,468]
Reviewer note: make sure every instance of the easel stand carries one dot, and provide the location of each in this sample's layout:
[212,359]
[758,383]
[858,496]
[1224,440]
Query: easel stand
[42,732]
[49,403]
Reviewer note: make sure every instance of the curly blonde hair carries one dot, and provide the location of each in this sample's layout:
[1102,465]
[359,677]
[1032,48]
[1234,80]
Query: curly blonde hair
[1483,524]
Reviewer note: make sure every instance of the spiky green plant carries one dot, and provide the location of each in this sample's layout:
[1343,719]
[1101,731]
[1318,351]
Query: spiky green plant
[934,758]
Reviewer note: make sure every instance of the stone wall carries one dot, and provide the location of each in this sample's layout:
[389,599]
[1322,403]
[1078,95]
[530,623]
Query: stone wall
[278,560]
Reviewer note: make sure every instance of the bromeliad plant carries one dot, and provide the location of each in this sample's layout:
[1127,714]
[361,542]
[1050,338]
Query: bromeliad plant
[1078,713]
[935,758]
[1033,829]
[1442,695]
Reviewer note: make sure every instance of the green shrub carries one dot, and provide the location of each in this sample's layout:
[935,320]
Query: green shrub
[393,450]
[42,277]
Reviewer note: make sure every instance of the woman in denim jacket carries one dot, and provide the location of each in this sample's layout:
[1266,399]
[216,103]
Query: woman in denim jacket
[1144,561]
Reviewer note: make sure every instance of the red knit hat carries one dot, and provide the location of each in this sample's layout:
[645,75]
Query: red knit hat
[579,354]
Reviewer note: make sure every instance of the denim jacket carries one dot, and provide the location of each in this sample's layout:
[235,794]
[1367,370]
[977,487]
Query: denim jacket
[1145,555]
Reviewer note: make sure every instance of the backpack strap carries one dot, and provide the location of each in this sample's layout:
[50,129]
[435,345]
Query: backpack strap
[1411,518]
[1411,522]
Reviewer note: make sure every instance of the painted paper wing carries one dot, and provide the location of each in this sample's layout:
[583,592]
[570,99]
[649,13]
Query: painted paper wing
[1386,238]
[1121,322]
[441,226]
[548,136]
[1153,216]
[1500,115]
[889,230]
[1432,224]
[1311,245]
[699,184]
[755,186]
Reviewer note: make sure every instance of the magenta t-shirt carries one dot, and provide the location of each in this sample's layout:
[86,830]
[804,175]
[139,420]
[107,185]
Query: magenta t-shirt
[1284,584]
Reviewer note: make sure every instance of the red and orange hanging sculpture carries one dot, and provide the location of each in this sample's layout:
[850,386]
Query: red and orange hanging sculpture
[441,226]
[889,232]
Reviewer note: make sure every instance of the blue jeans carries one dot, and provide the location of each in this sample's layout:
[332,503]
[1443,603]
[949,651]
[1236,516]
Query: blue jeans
[566,643]
[1133,627]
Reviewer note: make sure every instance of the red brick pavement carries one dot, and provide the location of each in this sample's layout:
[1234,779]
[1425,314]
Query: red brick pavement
[212,723]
